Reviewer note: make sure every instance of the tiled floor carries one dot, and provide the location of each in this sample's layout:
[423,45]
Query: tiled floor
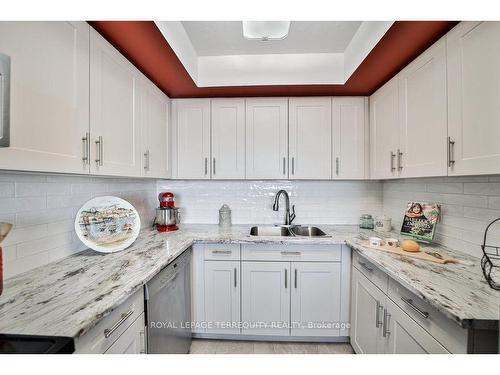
[259,347]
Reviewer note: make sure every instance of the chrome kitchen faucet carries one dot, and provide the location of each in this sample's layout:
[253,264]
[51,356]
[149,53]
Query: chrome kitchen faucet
[289,217]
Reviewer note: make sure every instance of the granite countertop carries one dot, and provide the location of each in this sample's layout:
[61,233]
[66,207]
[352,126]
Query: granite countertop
[70,296]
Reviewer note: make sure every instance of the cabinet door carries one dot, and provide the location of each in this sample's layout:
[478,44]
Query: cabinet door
[228,139]
[384,131]
[114,111]
[349,138]
[49,95]
[423,114]
[155,134]
[191,138]
[405,336]
[266,138]
[222,296]
[132,341]
[367,302]
[310,138]
[265,290]
[315,299]
[473,56]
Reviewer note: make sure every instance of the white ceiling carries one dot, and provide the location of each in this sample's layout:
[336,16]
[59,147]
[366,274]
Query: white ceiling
[218,38]
[215,53]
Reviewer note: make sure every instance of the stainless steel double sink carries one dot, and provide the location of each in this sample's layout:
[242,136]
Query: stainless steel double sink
[287,231]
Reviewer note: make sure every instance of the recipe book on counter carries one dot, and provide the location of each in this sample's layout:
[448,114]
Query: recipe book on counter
[420,220]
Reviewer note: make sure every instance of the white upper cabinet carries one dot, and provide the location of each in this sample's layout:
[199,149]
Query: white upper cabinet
[49,95]
[191,138]
[228,138]
[310,138]
[384,131]
[267,138]
[423,115]
[315,298]
[155,136]
[114,111]
[473,53]
[350,137]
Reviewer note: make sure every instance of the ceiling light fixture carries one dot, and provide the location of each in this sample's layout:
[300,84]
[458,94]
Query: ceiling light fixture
[266,30]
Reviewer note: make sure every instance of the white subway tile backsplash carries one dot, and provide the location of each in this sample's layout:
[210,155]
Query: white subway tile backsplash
[31,189]
[316,202]
[485,188]
[7,189]
[43,207]
[468,204]
[446,187]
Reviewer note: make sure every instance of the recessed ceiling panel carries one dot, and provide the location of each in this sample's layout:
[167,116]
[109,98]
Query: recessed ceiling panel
[218,38]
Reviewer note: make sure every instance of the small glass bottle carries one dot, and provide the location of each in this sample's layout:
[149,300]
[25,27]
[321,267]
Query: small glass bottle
[366,221]
[225,216]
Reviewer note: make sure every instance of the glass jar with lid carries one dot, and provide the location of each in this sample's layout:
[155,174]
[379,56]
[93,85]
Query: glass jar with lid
[366,221]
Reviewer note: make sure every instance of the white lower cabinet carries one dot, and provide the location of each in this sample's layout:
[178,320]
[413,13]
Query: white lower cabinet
[315,307]
[379,325]
[366,315]
[265,289]
[405,336]
[299,291]
[132,341]
[222,296]
[122,331]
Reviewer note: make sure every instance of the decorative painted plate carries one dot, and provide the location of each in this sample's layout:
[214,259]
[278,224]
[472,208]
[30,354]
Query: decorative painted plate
[107,224]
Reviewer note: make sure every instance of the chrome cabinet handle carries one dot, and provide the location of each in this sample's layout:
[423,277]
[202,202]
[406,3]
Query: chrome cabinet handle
[286,278]
[206,166]
[337,166]
[284,165]
[235,277]
[101,158]
[293,165]
[85,142]
[98,143]
[142,336]
[295,281]
[363,264]
[400,160]
[109,331]
[5,64]
[290,252]
[393,155]
[385,329]
[222,251]
[451,156]
[409,302]
[214,166]
[146,160]
[378,323]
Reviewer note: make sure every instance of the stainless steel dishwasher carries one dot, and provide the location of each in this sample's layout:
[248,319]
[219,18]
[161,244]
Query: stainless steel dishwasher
[168,308]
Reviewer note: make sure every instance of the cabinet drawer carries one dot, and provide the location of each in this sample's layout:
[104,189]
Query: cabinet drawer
[297,253]
[222,252]
[448,333]
[372,273]
[107,331]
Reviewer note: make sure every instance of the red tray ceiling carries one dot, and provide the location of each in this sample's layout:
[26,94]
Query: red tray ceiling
[144,45]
